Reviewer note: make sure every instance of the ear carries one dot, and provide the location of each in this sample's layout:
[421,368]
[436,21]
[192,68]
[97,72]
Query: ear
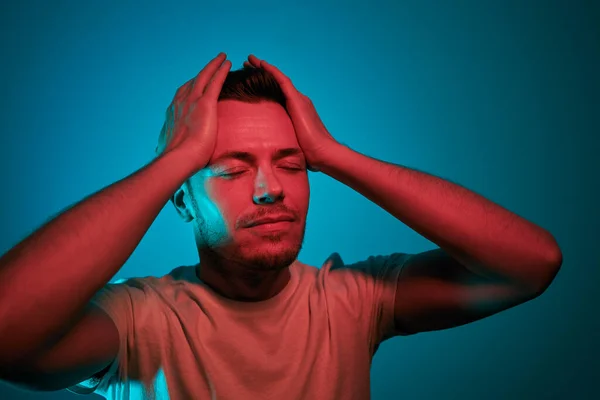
[182,202]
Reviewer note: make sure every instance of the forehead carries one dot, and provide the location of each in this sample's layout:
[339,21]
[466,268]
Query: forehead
[254,128]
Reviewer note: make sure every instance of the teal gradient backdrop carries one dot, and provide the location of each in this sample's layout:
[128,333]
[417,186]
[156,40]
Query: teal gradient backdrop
[501,97]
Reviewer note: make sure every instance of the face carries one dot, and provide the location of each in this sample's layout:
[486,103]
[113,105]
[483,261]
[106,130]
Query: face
[264,175]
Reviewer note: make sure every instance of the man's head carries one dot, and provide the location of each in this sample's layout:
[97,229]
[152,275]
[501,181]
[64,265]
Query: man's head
[257,170]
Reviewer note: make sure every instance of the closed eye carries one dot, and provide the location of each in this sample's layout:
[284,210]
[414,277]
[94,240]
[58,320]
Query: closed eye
[236,173]
[230,174]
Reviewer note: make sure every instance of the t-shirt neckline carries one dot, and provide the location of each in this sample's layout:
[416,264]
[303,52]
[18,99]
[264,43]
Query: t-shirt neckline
[279,298]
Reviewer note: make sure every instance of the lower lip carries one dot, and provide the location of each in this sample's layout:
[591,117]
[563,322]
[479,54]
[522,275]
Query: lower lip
[272,226]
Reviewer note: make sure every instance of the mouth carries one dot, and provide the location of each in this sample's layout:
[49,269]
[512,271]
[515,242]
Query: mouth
[275,226]
[273,221]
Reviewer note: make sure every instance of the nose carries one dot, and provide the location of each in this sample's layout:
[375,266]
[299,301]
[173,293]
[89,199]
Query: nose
[267,189]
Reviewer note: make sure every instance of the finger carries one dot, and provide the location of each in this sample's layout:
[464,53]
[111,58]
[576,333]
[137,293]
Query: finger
[254,61]
[186,88]
[216,83]
[204,76]
[247,64]
[286,83]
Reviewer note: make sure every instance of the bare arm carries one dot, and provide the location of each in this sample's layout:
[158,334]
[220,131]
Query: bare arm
[48,279]
[86,351]
[51,336]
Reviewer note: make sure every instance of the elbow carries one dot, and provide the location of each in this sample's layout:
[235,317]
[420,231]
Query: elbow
[554,256]
[550,268]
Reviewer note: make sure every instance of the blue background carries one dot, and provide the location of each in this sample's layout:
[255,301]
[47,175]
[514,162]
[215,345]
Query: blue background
[499,96]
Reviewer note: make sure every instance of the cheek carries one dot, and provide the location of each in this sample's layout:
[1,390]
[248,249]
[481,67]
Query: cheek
[231,201]
[212,201]
[211,213]
[223,192]
[299,195]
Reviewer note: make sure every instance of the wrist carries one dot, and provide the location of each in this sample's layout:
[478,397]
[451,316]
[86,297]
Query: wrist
[183,162]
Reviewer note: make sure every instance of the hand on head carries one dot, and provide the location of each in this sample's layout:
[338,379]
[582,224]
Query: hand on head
[191,119]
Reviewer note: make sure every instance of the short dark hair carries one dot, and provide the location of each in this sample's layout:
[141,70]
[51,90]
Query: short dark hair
[251,85]
[248,85]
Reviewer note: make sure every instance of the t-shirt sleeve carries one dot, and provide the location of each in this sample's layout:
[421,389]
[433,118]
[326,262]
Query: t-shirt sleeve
[127,304]
[370,286]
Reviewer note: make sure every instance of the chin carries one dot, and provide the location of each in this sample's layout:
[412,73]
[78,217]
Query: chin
[271,257]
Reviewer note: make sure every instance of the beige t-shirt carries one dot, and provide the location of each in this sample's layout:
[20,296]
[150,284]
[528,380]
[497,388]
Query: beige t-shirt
[314,340]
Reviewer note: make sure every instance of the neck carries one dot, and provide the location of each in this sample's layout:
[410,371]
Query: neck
[236,281]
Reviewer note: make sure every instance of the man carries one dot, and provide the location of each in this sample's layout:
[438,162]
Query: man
[250,320]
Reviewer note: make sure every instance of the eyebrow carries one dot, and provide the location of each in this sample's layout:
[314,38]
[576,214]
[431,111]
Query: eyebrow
[251,158]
